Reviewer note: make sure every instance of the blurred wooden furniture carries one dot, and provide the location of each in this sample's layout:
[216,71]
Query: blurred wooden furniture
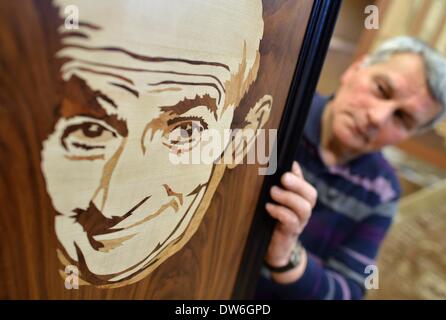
[429,146]
[349,38]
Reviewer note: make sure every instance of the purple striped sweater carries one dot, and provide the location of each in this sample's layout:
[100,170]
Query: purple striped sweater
[355,207]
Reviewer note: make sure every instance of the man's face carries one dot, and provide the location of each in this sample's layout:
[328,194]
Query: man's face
[381,104]
[130,105]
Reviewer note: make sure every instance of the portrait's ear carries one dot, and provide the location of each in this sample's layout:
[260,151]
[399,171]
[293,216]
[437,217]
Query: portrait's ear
[244,138]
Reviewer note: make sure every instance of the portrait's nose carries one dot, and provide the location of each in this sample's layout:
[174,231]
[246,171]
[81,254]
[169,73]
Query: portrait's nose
[127,181]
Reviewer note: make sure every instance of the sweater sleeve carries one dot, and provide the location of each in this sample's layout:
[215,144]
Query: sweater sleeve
[342,275]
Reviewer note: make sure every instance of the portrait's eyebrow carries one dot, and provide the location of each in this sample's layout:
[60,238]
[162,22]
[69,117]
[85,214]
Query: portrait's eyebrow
[79,33]
[207,84]
[111,119]
[186,104]
[126,88]
[106,98]
[105,65]
[148,58]
[89,25]
[74,34]
[110,74]
[80,100]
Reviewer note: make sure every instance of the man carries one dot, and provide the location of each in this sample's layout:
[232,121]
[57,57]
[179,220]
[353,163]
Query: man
[139,91]
[383,99]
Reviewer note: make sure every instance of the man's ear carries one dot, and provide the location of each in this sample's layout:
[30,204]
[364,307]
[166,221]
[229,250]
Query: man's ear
[243,139]
[354,67]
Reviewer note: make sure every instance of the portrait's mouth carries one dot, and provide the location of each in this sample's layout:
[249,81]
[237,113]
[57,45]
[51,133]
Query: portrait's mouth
[96,224]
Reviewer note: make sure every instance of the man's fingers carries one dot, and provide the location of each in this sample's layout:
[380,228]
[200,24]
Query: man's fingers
[295,168]
[298,185]
[283,214]
[293,201]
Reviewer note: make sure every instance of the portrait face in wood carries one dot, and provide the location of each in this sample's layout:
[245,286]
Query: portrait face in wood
[143,80]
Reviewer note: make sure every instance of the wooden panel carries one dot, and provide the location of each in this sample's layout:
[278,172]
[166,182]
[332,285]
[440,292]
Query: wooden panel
[312,54]
[45,84]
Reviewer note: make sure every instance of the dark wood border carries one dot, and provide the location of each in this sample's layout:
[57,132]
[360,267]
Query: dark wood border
[314,48]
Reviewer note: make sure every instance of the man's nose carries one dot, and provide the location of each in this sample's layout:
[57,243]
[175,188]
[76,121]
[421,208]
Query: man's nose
[126,181]
[379,114]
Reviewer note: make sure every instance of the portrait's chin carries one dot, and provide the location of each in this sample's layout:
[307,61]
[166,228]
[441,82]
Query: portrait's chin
[111,258]
[116,256]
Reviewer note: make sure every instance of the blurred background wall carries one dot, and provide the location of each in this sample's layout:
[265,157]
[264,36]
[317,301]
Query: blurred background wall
[412,261]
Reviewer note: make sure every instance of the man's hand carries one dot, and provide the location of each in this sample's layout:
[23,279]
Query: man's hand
[292,212]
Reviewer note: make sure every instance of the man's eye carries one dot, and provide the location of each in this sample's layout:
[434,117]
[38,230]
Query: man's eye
[403,119]
[381,90]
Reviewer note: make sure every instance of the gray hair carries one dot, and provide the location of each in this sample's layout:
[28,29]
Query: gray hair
[434,62]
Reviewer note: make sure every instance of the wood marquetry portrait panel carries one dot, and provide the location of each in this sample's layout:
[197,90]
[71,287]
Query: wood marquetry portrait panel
[99,122]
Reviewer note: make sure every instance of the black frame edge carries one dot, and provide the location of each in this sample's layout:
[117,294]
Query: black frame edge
[306,75]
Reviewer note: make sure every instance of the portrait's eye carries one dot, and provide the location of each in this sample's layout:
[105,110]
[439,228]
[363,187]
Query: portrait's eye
[184,133]
[87,137]
[92,133]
